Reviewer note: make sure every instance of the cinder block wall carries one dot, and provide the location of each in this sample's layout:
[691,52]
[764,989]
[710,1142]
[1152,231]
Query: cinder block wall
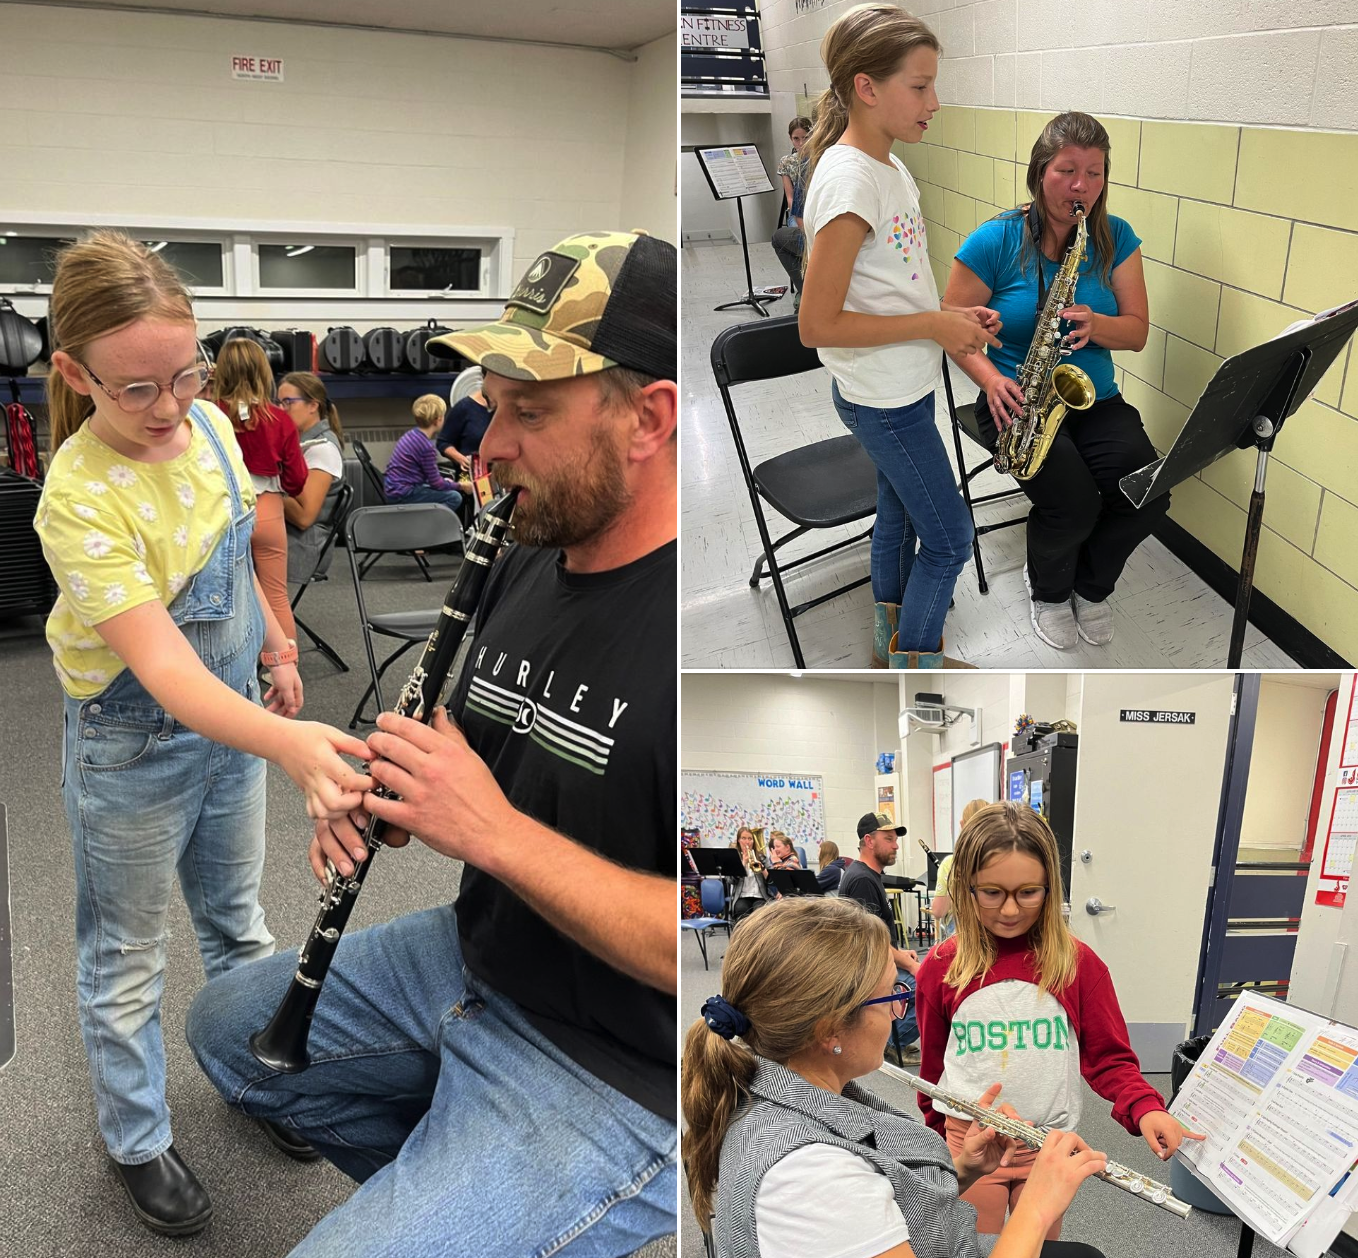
[1235,159]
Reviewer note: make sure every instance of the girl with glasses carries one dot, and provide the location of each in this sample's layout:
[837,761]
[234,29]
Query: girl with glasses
[808,1160]
[145,520]
[309,513]
[1014,997]
[273,457]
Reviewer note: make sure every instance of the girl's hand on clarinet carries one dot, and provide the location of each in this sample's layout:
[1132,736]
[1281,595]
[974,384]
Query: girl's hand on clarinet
[339,840]
[1164,1133]
[961,333]
[1004,400]
[311,758]
[1062,1165]
[284,696]
[448,798]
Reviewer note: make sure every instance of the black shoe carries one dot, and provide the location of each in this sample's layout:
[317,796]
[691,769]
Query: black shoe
[288,1141]
[166,1195]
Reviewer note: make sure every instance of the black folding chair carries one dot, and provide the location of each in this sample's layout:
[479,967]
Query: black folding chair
[333,523]
[379,495]
[817,486]
[964,420]
[397,529]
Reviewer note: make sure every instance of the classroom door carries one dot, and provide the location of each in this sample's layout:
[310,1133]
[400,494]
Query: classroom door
[1147,797]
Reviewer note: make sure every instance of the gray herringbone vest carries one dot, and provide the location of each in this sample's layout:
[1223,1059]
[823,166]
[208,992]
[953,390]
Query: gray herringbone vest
[786,1112]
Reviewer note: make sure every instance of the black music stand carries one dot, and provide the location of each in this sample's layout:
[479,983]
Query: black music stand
[792,882]
[723,863]
[1245,404]
[729,177]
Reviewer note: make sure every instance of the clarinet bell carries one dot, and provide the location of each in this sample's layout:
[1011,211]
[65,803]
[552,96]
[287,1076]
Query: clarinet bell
[282,1045]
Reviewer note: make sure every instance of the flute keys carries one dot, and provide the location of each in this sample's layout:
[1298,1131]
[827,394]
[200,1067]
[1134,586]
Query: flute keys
[1135,1186]
[1159,1196]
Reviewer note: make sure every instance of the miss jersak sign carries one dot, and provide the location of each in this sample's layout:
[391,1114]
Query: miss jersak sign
[1154,716]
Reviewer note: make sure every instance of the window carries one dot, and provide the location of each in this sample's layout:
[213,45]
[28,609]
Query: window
[199,262]
[306,267]
[29,260]
[435,269]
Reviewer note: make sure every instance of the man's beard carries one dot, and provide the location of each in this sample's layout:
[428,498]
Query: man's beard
[575,504]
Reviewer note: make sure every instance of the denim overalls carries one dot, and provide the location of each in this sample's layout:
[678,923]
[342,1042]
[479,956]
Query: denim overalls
[148,799]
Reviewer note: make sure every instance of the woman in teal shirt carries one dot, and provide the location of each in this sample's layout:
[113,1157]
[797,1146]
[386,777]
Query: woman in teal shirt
[1082,529]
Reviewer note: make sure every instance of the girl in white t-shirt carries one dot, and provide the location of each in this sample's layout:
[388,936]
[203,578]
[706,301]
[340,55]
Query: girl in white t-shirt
[870,305]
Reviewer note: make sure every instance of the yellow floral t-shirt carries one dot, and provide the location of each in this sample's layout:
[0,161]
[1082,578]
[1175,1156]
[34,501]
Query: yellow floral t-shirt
[118,533]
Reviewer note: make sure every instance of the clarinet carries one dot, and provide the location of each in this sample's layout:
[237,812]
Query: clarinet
[282,1045]
[1139,1185]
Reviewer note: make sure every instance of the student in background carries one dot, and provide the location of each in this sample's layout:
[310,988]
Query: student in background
[1014,969]
[268,441]
[463,428]
[412,474]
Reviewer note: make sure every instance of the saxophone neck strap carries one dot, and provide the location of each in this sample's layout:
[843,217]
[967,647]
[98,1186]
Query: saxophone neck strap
[1035,228]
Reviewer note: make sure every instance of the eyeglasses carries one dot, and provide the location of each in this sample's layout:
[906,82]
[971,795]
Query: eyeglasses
[899,1000]
[994,897]
[135,398]
[288,401]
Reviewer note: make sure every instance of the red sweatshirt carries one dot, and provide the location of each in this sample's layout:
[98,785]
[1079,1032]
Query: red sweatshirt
[1003,1028]
[271,448]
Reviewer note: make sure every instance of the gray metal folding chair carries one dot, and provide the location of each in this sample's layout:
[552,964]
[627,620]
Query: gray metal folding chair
[400,529]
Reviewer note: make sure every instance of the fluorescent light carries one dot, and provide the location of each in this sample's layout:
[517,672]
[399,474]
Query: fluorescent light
[296,251]
[159,245]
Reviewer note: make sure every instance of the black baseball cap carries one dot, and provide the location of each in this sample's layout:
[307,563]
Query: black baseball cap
[870,822]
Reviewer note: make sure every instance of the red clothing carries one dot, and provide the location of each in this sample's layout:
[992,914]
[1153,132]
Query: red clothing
[271,447]
[1107,1061]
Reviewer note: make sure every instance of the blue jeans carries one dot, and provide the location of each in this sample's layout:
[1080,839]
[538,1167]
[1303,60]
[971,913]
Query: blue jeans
[906,1028]
[149,800]
[449,498]
[469,1132]
[917,499]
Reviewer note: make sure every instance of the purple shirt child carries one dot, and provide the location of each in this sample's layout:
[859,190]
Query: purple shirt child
[413,464]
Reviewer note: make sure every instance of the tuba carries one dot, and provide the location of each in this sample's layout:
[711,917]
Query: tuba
[1050,386]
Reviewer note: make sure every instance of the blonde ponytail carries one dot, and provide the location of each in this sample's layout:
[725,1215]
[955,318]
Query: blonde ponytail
[794,969]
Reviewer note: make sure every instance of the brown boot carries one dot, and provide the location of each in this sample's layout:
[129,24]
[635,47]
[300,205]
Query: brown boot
[924,659]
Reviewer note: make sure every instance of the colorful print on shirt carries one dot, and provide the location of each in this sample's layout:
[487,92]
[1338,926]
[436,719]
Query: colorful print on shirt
[907,234]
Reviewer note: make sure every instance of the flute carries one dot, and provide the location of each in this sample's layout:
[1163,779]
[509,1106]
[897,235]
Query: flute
[282,1044]
[1119,1176]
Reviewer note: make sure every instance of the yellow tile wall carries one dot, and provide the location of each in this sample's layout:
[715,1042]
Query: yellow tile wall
[1239,239]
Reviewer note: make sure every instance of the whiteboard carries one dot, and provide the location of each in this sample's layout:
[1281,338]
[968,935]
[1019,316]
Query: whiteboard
[717,804]
[943,807]
[975,775]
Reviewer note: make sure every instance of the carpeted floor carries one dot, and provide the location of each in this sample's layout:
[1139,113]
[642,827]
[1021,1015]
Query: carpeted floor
[58,1196]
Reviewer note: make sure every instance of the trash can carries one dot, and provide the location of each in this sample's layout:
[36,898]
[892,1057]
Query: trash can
[1186,1187]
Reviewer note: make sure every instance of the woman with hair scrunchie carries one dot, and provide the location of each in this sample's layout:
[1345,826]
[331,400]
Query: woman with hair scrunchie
[809,1161]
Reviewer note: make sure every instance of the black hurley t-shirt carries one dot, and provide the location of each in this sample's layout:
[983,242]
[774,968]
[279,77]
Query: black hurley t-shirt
[568,694]
[864,884]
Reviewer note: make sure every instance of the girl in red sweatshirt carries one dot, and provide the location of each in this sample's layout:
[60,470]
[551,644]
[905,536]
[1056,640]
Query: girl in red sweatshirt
[1013,997]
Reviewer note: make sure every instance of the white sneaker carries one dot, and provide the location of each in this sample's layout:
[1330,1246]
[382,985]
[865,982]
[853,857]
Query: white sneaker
[1094,621]
[1054,623]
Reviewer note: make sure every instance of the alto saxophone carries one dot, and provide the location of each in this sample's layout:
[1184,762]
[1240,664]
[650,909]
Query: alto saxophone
[1050,386]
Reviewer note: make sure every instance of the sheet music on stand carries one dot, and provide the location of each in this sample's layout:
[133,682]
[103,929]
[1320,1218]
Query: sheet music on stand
[1276,1093]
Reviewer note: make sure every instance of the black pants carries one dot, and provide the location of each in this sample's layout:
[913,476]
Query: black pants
[744,906]
[1068,1249]
[1082,529]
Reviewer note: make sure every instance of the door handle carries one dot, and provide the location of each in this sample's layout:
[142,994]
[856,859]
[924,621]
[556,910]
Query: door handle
[1094,906]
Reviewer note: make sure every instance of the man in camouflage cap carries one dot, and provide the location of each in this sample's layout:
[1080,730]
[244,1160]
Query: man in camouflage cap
[595,301]
[500,1073]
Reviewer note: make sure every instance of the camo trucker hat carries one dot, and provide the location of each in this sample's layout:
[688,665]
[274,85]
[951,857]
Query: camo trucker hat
[594,301]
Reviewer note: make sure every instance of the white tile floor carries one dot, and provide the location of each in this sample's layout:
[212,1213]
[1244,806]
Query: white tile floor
[1164,614]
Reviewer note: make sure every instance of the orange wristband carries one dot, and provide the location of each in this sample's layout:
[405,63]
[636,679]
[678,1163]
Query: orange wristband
[288,655]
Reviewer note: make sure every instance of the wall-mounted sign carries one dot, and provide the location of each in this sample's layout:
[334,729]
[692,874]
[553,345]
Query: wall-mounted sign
[264,69]
[698,31]
[1151,716]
